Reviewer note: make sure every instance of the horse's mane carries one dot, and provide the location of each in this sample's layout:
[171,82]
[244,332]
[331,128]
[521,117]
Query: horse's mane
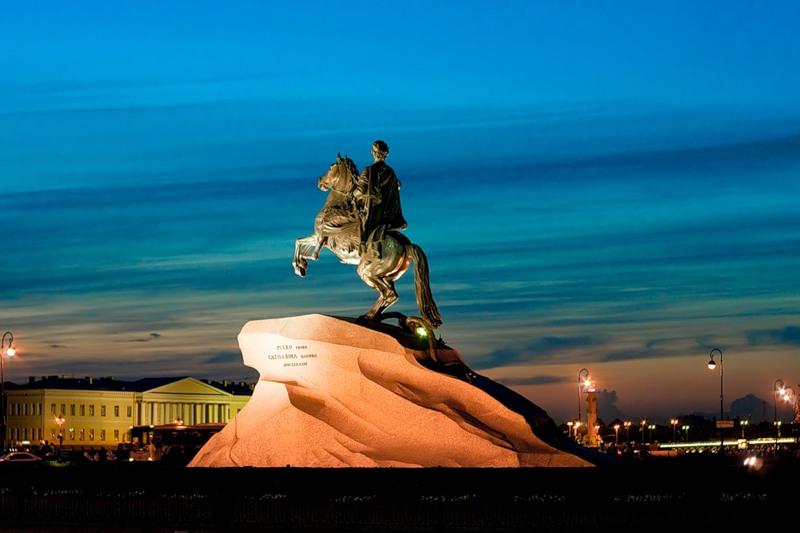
[347,164]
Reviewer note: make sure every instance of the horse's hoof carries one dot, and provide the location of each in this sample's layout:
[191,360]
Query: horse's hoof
[300,271]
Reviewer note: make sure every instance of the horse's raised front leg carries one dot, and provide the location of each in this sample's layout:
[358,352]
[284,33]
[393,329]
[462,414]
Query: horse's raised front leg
[302,253]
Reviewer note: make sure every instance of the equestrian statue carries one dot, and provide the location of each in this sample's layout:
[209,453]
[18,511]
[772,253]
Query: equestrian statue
[360,223]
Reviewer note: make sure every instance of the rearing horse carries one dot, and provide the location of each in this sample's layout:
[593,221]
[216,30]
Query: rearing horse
[337,227]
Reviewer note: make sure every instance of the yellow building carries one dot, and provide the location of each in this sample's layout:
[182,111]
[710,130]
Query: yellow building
[100,412]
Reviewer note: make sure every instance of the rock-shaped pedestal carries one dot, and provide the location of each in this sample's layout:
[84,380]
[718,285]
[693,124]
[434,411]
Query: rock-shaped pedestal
[336,393]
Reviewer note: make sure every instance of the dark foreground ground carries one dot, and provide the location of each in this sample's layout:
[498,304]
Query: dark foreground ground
[671,495]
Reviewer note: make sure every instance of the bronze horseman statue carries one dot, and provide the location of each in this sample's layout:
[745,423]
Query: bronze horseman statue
[361,223]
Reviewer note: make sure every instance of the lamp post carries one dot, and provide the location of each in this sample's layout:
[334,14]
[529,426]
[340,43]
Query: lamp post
[777,390]
[569,428]
[744,424]
[627,425]
[10,352]
[651,427]
[584,382]
[616,434]
[685,428]
[674,422]
[711,366]
[642,425]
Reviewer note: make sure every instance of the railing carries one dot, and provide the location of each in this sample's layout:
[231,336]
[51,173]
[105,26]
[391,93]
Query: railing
[149,496]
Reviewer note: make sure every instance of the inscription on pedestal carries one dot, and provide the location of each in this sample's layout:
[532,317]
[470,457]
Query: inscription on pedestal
[292,355]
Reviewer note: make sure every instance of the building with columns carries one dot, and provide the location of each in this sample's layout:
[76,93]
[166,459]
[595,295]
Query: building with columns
[100,412]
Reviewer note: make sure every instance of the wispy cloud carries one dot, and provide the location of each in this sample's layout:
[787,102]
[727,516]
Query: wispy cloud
[149,338]
[539,349]
[533,380]
[661,347]
[224,357]
[785,335]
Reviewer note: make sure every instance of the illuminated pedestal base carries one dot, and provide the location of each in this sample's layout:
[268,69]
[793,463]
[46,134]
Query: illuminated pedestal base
[333,393]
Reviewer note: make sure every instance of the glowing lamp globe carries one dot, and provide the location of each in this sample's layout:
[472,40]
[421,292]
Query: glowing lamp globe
[11,352]
[712,365]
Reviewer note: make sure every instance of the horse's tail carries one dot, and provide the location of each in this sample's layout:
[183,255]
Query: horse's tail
[422,285]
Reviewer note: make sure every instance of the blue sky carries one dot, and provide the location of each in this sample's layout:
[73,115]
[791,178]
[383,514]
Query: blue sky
[611,186]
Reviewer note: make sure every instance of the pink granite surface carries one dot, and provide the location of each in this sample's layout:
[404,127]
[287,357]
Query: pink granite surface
[336,394]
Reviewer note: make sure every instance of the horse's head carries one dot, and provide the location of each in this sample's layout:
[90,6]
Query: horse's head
[341,176]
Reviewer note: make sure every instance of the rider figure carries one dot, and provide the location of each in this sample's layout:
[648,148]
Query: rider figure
[377,195]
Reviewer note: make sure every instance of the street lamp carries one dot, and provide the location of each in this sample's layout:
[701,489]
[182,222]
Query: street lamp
[616,434]
[685,428]
[584,382]
[642,425]
[711,366]
[744,424]
[577,425]
[569,428]
[10,352]
[674,422]
[627,425]
[778,389]
[651,427]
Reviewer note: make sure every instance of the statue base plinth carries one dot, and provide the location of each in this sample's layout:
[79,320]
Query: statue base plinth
[335,393]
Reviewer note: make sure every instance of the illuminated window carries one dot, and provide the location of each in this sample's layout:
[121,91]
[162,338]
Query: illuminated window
[116,434]
[116,410]
[91,409]
[63,408]
[83,410]
[102,434]
[52,409]
[91,434]
[72,409]
[24,409]
[102,410]
[130,411]
[80,434]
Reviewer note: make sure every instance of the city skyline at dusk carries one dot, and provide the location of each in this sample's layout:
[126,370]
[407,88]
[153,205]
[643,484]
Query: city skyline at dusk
[615,193]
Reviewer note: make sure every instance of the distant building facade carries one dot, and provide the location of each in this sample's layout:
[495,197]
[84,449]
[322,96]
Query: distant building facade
[100,412]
